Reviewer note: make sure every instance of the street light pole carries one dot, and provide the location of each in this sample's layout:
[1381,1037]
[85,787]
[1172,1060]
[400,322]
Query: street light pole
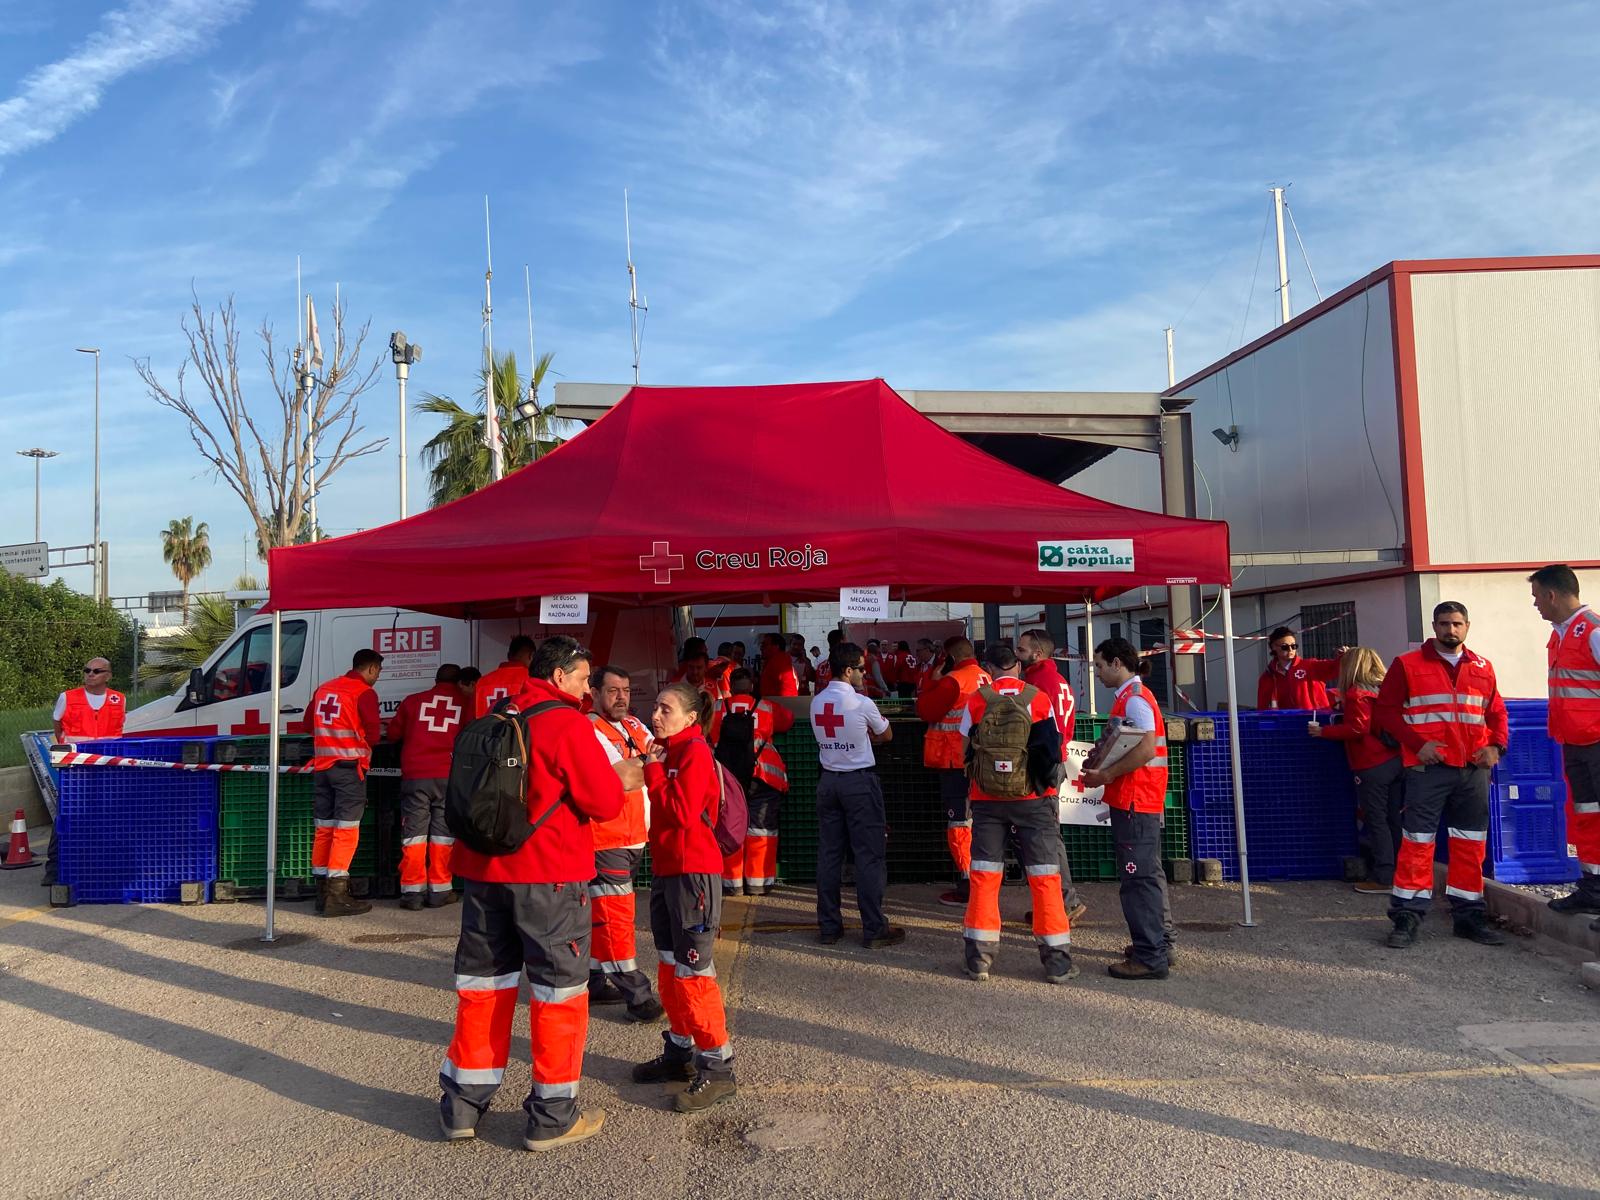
[403,354]
[100,588]
[38,456]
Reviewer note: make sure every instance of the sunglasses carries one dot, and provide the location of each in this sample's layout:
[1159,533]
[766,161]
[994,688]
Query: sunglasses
[95,671]
[1288,646]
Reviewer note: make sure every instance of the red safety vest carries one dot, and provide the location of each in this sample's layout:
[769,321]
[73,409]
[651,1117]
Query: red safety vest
[941,745]
[1575,683]
[627,828]
[1143,789]
[770,767]
[79,720]
[336,732]
[1453,714]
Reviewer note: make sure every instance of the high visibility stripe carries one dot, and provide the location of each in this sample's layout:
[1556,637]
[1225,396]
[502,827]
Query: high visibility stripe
[436,840]
[554,1091]
[1055,939]
[321,824]
[967,824]
[1589,868]
[1401,893]
[411,887]
[441,887]
[665,957]
[981,935]
[619,966]
[1045,869]
[1575,693]
[319,870]
[762,881]
[1448,698]
[487,983]
[722,1053]
[1462,893]
[1426,839]
[752,831]
[610,889]
[545,994]
[334,873]
[994,868]
[1587,807]
[471,1074]
[1574,673]
[1469,835]
[415,841]
[685,971]
[1448,718]
[681,1040]
[326,731]
[343,824]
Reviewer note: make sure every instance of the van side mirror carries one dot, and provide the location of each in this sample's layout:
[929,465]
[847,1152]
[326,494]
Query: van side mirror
[195,693]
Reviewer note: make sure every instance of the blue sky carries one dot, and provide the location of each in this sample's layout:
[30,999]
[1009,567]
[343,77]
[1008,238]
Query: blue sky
[948,194]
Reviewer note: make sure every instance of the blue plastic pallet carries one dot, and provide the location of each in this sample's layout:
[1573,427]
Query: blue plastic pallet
[196,749]
[130,835]
[1299,799]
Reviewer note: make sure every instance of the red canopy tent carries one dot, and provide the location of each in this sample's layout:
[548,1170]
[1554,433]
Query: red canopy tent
[777,493]
[787,492]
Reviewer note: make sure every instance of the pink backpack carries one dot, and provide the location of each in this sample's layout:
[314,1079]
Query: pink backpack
[733,814]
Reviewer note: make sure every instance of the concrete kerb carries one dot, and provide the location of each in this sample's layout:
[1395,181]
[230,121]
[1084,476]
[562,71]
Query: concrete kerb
[18,789]
[1564,934]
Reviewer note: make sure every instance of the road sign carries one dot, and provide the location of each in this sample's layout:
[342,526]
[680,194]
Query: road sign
[28,559]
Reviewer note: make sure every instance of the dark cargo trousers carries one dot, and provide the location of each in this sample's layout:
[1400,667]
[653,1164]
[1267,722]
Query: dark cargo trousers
[1138,840]
[506,928]
[850,810]
[1380,793]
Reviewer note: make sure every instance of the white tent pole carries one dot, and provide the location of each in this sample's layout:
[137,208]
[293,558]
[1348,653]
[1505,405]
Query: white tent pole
[1088,652]
[268,934]
[1233,751]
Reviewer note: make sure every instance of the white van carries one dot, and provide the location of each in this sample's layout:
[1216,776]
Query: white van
[229,695]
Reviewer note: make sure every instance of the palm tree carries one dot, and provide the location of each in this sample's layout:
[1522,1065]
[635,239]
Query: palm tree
[186,548]
[172,658]
[457,456]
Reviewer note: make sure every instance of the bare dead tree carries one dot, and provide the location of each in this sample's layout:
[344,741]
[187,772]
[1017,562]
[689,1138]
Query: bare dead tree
[266,458]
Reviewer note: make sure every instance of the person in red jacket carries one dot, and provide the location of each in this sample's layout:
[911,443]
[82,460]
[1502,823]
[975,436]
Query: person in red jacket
[803,672]
[1036,652]
[344,727]
[1380,779]
[529,910]
[777,670]
[1442,705]
[1573,657]
[425,725]
[614,974]
[686,902]
[505,680]
[753,868]
[1291,681]
[1013,768]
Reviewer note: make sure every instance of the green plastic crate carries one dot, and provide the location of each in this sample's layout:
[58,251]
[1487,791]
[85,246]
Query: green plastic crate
[242,837]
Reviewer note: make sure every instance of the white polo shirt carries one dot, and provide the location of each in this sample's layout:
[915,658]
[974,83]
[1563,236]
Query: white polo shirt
[1138,715]
[841,718]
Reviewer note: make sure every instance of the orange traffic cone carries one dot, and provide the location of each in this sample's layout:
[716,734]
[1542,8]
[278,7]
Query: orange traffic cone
[19,854]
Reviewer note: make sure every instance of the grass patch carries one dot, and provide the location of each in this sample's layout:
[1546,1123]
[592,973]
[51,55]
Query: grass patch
[13,725]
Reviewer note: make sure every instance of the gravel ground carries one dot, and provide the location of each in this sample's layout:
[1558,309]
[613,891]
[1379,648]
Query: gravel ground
[155,1051]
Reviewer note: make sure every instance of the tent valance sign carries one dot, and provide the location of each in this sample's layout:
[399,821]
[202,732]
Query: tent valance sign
[632,512]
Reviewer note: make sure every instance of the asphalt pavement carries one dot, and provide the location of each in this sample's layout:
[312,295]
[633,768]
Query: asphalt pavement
[163,1051]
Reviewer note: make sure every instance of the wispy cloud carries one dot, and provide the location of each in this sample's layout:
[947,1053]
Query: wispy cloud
[129,39]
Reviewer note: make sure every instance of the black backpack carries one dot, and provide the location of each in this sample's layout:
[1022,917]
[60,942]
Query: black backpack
[486,796]
[736,746]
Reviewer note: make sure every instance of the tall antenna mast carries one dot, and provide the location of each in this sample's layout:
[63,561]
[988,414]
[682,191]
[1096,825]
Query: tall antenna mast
[527,283]
[1172,374]
[1283,258]
[491,422]
[635,325]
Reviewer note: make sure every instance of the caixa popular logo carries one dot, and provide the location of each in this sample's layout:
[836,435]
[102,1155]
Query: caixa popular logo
[1106,554]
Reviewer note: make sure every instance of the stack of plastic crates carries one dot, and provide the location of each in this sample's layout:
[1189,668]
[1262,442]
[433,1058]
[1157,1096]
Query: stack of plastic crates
[1527,803]
[138,835]
[917,852]
[242,845]
[797,819]
[1299,799]
[1091,853]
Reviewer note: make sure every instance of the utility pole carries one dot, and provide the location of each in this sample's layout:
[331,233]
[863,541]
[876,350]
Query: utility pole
[403,353]
[99,558]
[38,456]
[491,420]
[634,306]
[1283,258]
[1172,375]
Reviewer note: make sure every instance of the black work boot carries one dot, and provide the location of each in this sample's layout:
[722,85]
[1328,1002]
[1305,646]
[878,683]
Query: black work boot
[603,991]
[1575,902]
[322,893]
[674,1062]
[339,902]
[647,1011]
[1404,933]
[411,901]
[706,1091]
[442,899]
[1475,927]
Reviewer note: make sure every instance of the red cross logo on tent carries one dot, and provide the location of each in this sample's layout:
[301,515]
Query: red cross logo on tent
[662,561]
[829,721]
[441,714]
[330,708]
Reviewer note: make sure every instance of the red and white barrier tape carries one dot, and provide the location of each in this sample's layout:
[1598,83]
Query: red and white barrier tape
[75,758]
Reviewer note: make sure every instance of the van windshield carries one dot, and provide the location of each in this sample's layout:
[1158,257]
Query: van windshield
[245,668]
